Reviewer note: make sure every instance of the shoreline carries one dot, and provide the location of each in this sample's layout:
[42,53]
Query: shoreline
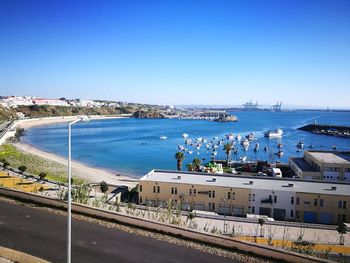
[79,169]
[28,123]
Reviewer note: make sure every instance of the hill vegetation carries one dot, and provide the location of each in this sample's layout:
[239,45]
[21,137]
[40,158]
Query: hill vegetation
[36,111]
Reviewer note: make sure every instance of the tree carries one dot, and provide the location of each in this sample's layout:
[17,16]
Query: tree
[196,163]
[42,175]
[5,164]
[190,167]
[228,148]
[341,228]
[261,223]
[22,168]
[179,156]
[103,187]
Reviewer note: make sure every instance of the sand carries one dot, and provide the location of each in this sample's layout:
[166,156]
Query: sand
[80,170]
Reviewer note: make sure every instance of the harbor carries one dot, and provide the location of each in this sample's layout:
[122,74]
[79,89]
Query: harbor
[144,150]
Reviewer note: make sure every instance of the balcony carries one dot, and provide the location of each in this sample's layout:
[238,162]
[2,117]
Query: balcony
[266,201]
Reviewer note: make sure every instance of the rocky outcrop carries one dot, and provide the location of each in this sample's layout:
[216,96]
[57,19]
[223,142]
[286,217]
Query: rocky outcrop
[148,115]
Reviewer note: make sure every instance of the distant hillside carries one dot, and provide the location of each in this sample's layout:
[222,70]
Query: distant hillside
[52,111]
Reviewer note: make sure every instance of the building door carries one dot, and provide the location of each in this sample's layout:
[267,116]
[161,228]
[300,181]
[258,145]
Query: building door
[279,214]
[310,217]
[265,211]
[326,218]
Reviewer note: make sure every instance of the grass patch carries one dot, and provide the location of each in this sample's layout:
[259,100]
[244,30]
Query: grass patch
[35,165]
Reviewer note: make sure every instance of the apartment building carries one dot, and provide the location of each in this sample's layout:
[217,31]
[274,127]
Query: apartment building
[322,165]
[282,199]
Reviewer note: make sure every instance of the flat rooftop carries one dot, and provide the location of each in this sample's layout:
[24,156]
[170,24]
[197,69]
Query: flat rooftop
[247,182]
[331,157]
[303,165]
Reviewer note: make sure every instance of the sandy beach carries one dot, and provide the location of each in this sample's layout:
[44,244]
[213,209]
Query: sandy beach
[78,169]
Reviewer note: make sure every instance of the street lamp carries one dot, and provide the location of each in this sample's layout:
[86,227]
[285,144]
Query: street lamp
[69,230]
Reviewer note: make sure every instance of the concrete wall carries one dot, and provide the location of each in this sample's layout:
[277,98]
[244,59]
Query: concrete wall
[230,243]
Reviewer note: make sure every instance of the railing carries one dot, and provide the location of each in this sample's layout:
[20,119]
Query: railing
[266,201]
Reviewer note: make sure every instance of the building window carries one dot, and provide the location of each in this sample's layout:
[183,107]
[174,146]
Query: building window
[291,213]
[292,200]
[253,198]
[190,191]
[233,196]
[339,219]
[250,197]
[229,195]
[154,189]
[270,198]
[298,201]
[140,199]
[213,194]
[340,204]
[194,191]
[297,214]
[315,202]
[175,190]
[140,188]
[209,194]
[158,189]
[275,199]
[253,209]
[172,190]
[344,204]
[213,206]
[344,218]
[321,202]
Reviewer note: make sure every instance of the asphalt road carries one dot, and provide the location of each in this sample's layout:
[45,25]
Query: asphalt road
[42,233]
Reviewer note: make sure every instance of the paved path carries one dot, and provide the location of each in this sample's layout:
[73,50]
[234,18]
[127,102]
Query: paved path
[43,234]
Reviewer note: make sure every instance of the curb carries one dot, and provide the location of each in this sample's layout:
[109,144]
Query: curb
[19,257]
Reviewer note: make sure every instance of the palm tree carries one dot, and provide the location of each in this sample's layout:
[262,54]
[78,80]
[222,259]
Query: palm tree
[196,163]
[179,156]
[190,167]
[342,231]
[228,148]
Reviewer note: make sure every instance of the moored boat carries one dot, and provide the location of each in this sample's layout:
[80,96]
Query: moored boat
[274,134]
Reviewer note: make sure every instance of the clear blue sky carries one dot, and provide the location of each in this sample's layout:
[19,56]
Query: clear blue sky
[178,52]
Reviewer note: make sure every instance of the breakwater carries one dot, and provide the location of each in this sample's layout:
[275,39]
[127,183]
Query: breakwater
[324,129]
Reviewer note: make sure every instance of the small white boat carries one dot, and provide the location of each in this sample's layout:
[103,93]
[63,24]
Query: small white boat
[280,146]
[184,135]
[279,153]
[274,134]
[256,148]
[239,137]
[230,137]
[190,152]
[245,143]
[300,144]
[163,137]
[243,158]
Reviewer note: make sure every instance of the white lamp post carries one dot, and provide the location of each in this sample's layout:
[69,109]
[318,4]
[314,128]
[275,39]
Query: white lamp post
[69,230]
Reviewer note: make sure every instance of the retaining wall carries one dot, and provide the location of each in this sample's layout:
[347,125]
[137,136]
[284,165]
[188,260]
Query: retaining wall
[226,242]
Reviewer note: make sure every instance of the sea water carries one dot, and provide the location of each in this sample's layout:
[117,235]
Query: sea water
[134,147]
